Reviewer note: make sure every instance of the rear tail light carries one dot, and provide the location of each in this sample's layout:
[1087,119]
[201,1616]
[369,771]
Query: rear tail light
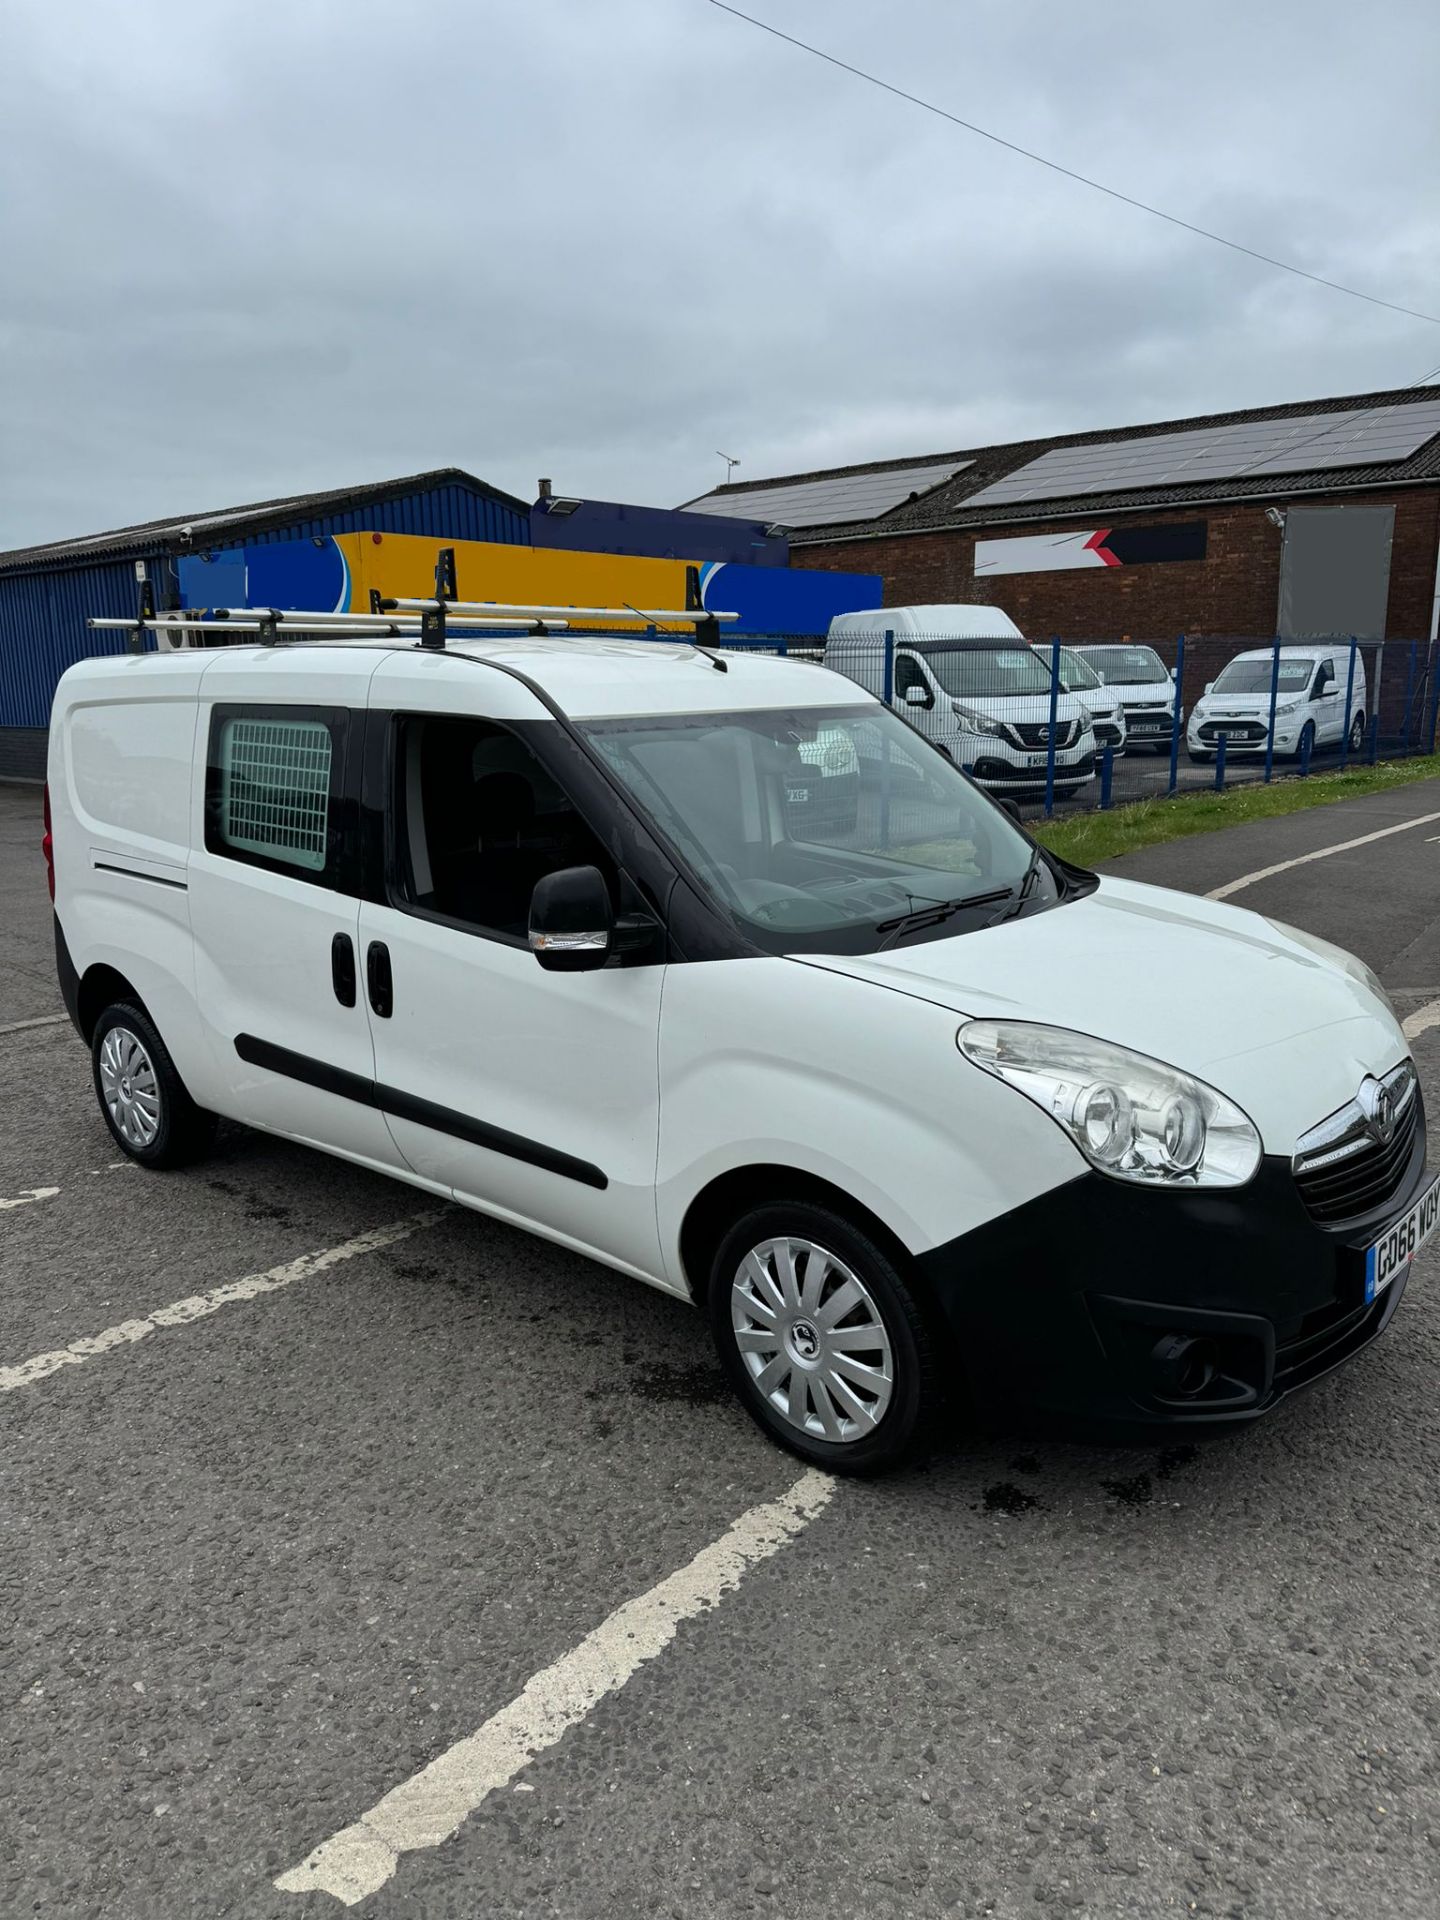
[47,844]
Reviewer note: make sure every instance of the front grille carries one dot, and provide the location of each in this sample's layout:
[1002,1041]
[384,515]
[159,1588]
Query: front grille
[1036,733]
[1343,1169]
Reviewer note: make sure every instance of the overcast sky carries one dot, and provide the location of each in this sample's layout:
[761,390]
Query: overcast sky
[249,249]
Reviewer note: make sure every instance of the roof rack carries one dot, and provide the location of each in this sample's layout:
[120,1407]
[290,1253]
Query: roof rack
[425,620]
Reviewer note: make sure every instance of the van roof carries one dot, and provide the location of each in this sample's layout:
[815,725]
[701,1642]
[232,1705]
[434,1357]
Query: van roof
[957,620]
[588,676]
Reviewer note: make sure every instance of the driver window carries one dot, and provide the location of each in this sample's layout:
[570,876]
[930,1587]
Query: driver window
[480,821]
[909,673]
[1324,680]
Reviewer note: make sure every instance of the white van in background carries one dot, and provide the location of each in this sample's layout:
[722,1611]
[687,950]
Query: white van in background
[1310,691]
[968,680]
[1145,688]
[1077,676]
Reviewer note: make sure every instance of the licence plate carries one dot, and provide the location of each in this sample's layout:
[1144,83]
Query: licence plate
[1400,1243]
[1035,759]
[1149,726]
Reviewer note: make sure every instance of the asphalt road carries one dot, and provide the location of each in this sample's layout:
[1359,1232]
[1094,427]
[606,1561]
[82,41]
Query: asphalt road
[261,1564]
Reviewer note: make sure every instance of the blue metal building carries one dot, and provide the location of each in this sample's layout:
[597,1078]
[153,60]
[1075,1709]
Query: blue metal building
[47,593]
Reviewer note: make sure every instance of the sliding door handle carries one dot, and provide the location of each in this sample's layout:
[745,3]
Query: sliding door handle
[378,980]
[342,969]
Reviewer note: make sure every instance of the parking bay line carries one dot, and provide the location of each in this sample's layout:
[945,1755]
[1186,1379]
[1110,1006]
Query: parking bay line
[28,1196]
[198,1305]
[24,1026]
[434,1804]
[1320,853]
[1421,1020]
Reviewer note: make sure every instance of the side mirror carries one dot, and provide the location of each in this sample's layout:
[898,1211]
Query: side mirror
[915,696]
[1209,686]
[1171,672]
[572,923]
[1010,807]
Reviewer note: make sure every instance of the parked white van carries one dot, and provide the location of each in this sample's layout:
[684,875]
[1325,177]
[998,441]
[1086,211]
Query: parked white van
[918,1113]
[966,678]
[1107,715]
[1145,686]
[1310,703]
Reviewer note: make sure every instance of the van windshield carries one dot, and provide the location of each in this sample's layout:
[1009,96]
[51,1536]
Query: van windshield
[1127,666]
[1075,675]
[828,830]
[1253,676]
[989,673]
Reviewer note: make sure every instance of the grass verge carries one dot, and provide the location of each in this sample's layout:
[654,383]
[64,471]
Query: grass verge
[1090,838]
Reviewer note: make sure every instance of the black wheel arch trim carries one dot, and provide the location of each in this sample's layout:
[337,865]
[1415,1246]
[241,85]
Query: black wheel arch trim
[399,1105]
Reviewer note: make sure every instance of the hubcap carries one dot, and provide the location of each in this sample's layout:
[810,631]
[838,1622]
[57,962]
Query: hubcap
[129,1088]
[812,1339]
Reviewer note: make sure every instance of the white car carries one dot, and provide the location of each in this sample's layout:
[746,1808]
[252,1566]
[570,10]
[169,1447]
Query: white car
[1146,688]
[1310,688]
[966,679]
[920,1115]
[1107,715]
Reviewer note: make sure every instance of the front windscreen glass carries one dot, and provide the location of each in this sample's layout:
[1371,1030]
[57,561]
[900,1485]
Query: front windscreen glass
[1127,666]
[1075,675]
[830,830]
[989,673]
[1253,676]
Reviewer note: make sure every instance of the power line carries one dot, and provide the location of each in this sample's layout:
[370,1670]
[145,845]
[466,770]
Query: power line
[1070,173]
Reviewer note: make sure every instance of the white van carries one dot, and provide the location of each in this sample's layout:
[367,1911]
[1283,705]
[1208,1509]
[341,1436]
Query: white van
[1310,703]
[1107,715]
[966,678]
[1146,688]
[918,1113]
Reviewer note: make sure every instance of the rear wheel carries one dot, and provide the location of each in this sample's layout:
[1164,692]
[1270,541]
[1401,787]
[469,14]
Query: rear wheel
[822,1338]
[151,1116]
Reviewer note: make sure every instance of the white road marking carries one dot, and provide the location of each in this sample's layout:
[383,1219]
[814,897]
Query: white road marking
[198,1305]
[29,1197]
[49,1020]
[435,1803]
[1421,1020]
[1321,853]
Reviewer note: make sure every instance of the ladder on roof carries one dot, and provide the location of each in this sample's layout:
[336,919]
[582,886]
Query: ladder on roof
[427,621]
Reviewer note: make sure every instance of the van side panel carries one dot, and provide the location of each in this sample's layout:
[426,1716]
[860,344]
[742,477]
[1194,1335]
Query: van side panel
[122,745]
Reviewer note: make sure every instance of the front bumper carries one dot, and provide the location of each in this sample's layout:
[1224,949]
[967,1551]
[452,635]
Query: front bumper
[1061,1311]
[1072,766]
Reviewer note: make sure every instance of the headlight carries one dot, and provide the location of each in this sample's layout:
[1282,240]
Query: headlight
[1338,958]
[1288,707]
[972,720]
[1132,1117]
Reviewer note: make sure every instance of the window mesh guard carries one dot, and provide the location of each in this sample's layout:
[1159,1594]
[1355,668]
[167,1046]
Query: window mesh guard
[275,788]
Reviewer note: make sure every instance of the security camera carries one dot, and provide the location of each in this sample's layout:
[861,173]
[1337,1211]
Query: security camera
[1275,517]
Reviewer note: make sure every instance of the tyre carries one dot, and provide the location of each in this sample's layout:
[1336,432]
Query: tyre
[152,1117]
[1198,757]
[1305,745]
[822,1338]
[1357,733]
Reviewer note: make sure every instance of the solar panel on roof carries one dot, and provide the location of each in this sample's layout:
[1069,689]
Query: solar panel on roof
[815,503]
[1356,438]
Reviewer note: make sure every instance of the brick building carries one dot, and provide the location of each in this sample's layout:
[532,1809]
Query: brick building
[1321,516]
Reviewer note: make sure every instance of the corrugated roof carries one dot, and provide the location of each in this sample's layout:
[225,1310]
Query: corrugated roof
[194,532]
[945,505]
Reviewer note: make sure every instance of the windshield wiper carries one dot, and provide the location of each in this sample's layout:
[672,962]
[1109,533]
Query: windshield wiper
[1032,874]
[938,910]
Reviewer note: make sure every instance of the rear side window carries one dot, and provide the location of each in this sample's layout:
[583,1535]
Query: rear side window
[273,789]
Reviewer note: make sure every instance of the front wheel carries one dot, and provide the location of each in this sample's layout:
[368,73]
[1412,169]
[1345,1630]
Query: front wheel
[1305,745]
[822,1338]
[1357,733]
[142,1097]
[1198,757]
